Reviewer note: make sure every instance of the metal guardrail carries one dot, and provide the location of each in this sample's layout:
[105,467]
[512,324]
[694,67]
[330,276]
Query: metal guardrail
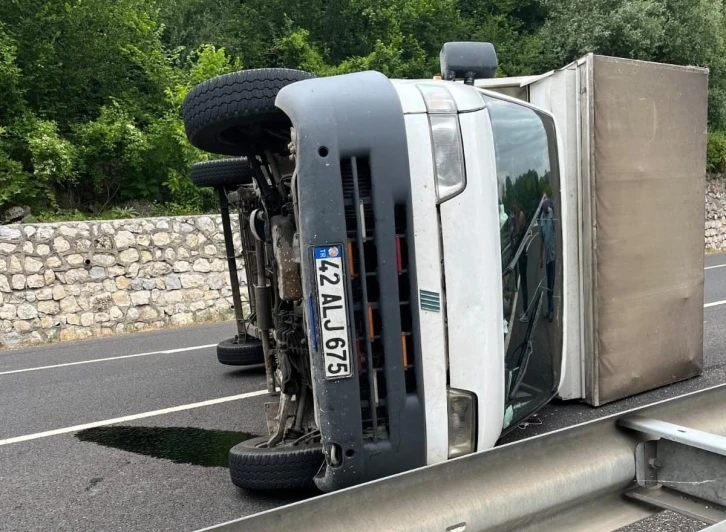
[597,476]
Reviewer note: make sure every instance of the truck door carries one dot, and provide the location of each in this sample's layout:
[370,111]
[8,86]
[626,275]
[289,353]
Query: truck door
[531,246]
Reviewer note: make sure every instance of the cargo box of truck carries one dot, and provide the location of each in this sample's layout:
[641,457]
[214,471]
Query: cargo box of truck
[633,136]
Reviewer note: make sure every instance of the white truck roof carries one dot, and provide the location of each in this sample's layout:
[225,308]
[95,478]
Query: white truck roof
[412,101]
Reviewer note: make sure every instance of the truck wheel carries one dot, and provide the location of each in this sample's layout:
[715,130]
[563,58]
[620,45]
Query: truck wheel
[231,353]
[261,468]
[223,173]
[228,113]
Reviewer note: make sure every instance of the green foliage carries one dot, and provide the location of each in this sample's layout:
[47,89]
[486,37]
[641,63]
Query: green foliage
[716,154]
[53,157]
[11,103]
[177,209]
[624,28]
[527,189]
[13,180]
[112,150]
[119,212]
[124,212]
[91,89]
[241,28]
[77,54]
[72,215]
[170,154]
[682,32]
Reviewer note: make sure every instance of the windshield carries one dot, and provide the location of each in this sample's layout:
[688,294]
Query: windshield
[529,204]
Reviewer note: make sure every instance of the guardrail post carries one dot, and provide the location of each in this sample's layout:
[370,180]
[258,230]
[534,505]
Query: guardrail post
[677,461]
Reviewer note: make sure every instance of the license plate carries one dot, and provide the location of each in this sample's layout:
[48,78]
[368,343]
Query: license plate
[332,307]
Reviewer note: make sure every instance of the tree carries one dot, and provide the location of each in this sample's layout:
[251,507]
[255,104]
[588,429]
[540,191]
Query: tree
[624,28]
[75,55]
[401,37]
[683,32]
[92,89]
[243,29]
[12,102]
[694,34]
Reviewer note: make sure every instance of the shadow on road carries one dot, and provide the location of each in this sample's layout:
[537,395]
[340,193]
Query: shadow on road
[246,370]
[185,445]
[279,497]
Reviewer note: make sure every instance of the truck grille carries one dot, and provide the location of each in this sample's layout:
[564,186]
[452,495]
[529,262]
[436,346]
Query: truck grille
[404,294]
[368,324]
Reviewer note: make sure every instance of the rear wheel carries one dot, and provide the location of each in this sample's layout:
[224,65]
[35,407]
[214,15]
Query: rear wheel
[222,173]
[235,113]
[233,353]
[260,468]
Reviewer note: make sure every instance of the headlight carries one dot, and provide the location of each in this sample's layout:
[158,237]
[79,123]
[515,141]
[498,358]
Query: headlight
[446,138]
[449,156]
[462,422]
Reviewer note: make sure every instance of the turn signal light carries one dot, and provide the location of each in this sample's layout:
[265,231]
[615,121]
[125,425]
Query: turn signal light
[351,262]
[404,350]
[371,329]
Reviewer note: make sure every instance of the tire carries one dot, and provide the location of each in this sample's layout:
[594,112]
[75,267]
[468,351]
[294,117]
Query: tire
[279,468]
[229,113]
[230,353]
[224,173]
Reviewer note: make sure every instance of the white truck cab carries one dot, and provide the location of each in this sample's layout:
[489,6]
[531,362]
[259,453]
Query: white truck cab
[491,353]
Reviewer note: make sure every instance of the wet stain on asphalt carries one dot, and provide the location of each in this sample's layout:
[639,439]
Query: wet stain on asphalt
[183,445]
[93,482]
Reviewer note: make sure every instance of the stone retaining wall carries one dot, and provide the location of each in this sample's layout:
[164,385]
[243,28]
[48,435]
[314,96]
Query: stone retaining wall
[75,280]
[716,215]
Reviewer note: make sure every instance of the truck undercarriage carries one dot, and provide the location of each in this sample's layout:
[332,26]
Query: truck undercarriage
[259,186]
[292,254]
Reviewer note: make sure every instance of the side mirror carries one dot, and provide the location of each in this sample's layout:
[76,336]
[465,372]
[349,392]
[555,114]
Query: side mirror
[468,60]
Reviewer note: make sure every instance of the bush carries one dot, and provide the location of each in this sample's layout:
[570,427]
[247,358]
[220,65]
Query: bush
[716,154]
[111,157]
[120,212]
[13,179]
[52,157]
[91,90]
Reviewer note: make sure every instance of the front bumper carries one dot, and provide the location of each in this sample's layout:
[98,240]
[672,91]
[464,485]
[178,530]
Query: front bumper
[359,122]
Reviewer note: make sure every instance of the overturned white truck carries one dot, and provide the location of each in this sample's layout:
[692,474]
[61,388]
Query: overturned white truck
[429,262]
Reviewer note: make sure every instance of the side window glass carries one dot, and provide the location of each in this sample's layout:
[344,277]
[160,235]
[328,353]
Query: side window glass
[528,182]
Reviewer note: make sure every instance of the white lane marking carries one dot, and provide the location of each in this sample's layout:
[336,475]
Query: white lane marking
[132,417]
[165,352]
[714,304]
[717,266]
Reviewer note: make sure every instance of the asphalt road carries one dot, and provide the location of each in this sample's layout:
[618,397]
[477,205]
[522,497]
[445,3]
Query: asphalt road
[62,483]
[162,468]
